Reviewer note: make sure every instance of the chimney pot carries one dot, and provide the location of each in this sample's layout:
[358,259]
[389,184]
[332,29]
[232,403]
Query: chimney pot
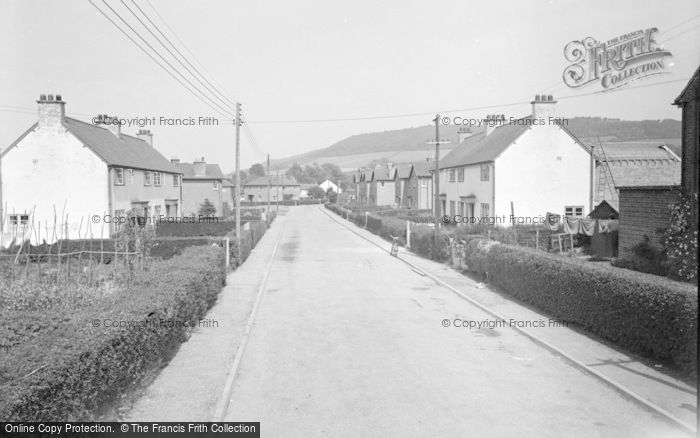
[51,113]
[58,97]
[50,96]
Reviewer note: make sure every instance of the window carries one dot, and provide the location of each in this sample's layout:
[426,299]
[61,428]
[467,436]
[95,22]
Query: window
[156,178]
[461,208]
[484,172]
[216,185]
[452,208]
[19,219]
[147,178]
[424,182]
[573,211]
[452,175]
[176,180]
[460,174]
[119,176]
[485,210]
[131,176]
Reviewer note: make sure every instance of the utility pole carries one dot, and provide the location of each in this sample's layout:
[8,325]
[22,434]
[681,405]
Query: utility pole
[277,191]
[269,182]
[436,182]
[238,179]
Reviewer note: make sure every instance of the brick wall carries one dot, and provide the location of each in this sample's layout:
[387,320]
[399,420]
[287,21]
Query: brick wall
[643,210]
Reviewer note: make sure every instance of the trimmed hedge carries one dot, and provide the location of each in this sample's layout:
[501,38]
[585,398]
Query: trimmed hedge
[195,229]
[643,313]
[63,367]
[249,238]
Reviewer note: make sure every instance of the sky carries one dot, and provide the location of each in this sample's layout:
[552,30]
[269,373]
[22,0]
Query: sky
[311,60]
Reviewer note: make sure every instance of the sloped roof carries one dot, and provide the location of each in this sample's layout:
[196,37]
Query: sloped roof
[480,148]
[641,176]
[282,180]
[422,169]
[403,170]
[227,183]
[212,171]
[384,173]
[623,151]
[691,89]
[126,151]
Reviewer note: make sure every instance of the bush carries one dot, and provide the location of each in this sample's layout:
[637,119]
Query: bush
[649,315]
[57,365]
[645,258]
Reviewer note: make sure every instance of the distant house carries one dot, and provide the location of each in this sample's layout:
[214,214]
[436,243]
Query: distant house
[200,181]
[67,172]
[363,181]
[401,181]
[533,162]
[304,190]
[420,193]
[689,102]
[281,188]
[328,184]
[227,196]
[382,191]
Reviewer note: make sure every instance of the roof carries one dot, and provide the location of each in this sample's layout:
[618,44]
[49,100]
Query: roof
[384,173]
[422,169]
[211,171]
[643,175]
[481,148]
[605,208]
[630,151]
[227,183]
[126,151]
[690,91]
[281,180]
[403,170]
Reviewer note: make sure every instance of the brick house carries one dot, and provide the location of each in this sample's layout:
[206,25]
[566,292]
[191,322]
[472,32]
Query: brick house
[84,170]
[200,181]
[689,102]
[533,162]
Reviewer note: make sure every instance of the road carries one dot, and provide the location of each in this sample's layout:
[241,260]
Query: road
[348,341]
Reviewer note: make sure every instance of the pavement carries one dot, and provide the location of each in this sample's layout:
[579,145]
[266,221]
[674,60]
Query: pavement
[349,341]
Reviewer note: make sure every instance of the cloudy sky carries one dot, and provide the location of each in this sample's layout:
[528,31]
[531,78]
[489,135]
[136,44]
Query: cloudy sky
[293,63]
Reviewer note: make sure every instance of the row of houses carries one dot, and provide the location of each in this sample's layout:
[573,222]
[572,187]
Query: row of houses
[61,171]
[529,166]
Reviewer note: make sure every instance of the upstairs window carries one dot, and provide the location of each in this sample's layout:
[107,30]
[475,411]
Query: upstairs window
[485,172]
[460,174]
[147,178]
[216,185]
[119,176]
[176,180]
[452,175]
[156,178]
[573,211]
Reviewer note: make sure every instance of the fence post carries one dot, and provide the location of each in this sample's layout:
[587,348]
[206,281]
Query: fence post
[537,238]
[408,234]
[366,218]
[226,248]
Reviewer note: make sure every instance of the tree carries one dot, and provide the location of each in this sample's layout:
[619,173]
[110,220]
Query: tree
[332,195]
[297,173]
[256,170]
[317,192]
[207,208]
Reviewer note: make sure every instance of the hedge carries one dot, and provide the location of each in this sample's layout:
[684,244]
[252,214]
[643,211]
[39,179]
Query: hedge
[646,314]
[61,367]
[195,229]
[249,238]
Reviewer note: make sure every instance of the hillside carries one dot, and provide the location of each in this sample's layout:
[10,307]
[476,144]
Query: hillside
[409,144]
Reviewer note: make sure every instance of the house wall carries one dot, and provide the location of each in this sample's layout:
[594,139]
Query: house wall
[690,155]
[195,191]
[644,211]
[49,169]
[471,186]
[259,193]
[545,169]
[134,190]
[385,193]
[420,191]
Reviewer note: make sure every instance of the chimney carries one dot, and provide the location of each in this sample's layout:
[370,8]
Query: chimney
[543,106]
[493,121]
[199,167]
[175,160]
[145,135]
[111,123]
[463,134]
[52,111]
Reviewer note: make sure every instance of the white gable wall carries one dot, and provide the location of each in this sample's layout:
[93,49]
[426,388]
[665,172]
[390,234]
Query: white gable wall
[543,170]
[50,167]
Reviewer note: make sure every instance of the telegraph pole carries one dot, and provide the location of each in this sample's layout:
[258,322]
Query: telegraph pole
[277,191]
[269,182]
[238,179]
[436,182]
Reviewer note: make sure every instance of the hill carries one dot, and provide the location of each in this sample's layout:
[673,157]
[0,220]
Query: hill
[409,144]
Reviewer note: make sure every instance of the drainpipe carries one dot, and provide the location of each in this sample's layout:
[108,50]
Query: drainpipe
[592,182]
[110,197]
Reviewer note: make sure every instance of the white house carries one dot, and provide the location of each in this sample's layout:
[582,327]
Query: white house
[328,184]
[533,162]
[79,176]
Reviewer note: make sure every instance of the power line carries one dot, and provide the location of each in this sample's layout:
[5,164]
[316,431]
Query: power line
[216,93]
[679,34]
[154,59]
